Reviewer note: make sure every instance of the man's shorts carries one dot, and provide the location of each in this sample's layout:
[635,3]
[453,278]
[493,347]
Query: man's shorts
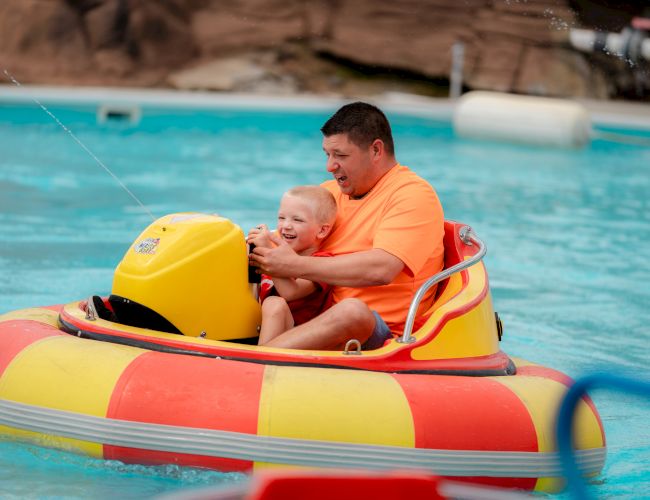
[380,334]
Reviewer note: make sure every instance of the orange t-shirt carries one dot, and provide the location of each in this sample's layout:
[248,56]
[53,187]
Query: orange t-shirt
[401,215]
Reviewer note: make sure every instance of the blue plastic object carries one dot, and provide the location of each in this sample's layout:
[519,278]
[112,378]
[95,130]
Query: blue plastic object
[575,483]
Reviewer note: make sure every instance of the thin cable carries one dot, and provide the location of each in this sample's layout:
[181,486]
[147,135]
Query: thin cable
[83,146]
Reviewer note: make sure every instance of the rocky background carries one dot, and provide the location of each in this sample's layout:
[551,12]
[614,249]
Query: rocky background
[347,47]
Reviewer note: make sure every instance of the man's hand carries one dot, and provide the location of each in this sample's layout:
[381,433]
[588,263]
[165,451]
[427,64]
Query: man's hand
[276,259]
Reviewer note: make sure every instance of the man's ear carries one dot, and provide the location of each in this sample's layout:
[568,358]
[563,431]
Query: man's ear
[377,148]
[324,231]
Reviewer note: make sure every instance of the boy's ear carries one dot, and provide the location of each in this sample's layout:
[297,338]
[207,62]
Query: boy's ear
[323,231]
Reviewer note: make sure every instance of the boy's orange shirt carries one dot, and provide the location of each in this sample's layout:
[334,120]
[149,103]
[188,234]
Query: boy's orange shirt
[403,216]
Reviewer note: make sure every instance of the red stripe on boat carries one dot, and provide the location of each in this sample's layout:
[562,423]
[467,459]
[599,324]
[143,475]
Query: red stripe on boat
[444,417]
[207,394]
[20,334]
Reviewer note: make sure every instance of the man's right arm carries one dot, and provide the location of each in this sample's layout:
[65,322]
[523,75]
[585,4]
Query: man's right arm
[360,269]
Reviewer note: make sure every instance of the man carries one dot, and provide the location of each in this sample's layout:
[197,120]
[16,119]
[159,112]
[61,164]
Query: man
[387,239]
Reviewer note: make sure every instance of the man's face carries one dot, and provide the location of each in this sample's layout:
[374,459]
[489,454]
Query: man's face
[349,164]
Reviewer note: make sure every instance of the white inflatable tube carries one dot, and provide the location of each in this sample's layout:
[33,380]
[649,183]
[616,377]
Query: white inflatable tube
[523,119]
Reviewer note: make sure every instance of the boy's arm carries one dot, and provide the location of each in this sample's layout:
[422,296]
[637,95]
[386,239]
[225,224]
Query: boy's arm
[293,288]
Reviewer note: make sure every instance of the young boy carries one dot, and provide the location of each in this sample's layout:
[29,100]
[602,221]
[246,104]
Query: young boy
[305,218]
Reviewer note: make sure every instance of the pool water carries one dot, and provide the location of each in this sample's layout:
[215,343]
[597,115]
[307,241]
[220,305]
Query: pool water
[567,233]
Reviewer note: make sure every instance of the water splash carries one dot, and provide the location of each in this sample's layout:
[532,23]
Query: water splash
[28,471]
[82,145]
[557,22]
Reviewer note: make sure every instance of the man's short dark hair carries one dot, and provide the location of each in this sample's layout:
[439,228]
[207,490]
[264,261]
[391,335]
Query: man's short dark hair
[363,123]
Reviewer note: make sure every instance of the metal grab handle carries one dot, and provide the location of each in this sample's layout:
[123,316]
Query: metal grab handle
[91,310]
[349,344]
[468,237]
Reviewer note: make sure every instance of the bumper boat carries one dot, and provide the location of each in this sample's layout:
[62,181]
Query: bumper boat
[165,370]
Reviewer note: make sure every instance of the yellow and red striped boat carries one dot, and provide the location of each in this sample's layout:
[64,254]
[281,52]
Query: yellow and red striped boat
[443,399]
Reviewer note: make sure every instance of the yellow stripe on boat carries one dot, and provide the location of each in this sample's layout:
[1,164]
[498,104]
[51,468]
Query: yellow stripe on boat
[40,314]
[347,403]
[542,397]
[65,380]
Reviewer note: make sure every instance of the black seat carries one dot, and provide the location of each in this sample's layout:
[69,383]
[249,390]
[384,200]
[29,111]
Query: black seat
[130,313]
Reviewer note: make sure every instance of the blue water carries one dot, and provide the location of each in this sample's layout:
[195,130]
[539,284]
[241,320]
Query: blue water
[567,235]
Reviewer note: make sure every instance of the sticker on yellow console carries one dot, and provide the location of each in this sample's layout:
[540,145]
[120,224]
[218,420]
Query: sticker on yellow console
[147,246]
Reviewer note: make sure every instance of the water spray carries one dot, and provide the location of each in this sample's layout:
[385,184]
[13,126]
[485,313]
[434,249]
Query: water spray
[82,145]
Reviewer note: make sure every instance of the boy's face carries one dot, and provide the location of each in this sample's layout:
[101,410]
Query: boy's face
[298,226]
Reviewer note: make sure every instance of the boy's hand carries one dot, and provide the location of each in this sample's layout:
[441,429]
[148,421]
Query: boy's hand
[260,236]
[277,259]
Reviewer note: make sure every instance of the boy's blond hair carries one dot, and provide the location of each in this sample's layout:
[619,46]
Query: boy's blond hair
[321,199]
